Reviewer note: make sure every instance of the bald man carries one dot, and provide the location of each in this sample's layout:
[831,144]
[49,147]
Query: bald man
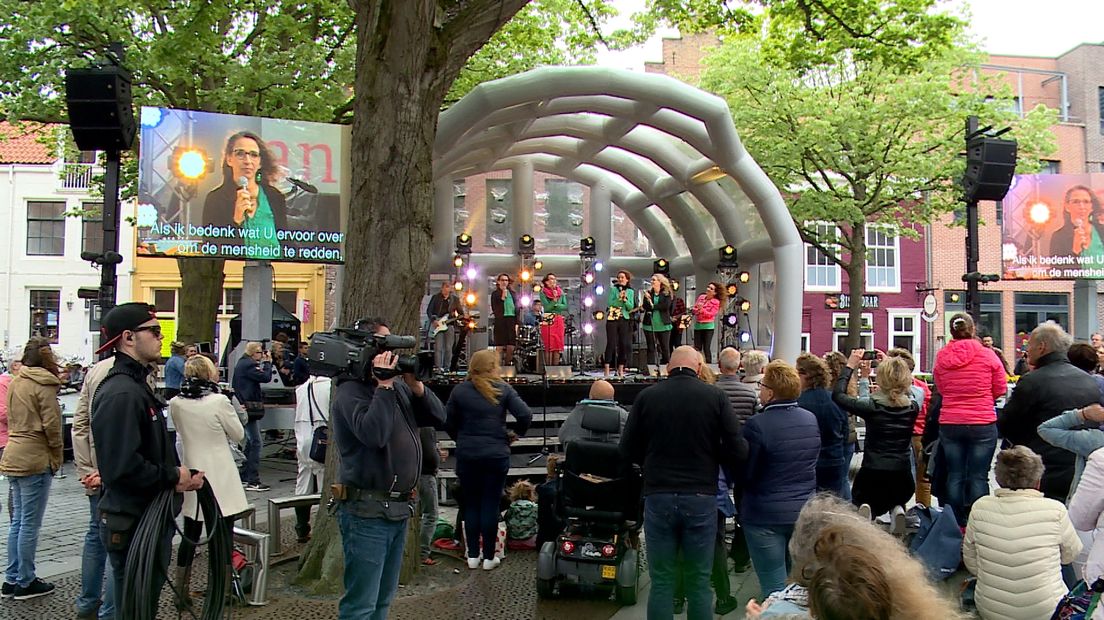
[601,398]
[681,431]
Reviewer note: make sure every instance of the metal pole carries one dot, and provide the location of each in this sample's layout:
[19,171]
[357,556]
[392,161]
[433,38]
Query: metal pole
[973,299]
[108,279]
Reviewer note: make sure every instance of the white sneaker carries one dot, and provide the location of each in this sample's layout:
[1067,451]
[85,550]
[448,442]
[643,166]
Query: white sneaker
[864,510]
[491,564]
[473,563]
[897,524]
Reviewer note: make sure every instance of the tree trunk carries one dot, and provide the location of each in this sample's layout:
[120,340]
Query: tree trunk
[199,299]
[856,286]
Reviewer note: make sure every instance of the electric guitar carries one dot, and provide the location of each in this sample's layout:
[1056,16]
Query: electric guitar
[442,324]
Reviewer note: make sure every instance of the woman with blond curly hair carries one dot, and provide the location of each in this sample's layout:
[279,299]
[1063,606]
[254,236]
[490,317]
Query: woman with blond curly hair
[476,419]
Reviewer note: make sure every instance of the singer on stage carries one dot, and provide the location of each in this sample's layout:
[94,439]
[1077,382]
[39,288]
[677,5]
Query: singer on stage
[1083,231]
[656,302]
[622,300]
[247,199]
[553,302]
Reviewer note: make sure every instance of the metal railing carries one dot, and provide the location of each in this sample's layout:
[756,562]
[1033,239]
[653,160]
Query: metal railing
[77,176]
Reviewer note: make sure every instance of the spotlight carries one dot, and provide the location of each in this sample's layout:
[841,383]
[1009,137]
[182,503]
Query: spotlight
[471,273]
[598,290]
[745,336]
[538,265]
[587,248]
[1039,213]
[526,244]
[727,257]
[536,288]
[588,301]
[463,244]
[745,305]
[458,286]
[599,315]
[732,319]
[661,266]
[470,299]
[526,300]
[674,285]
[588,277]
[744,277]
[731,289]
[598,266]
[458,262]
[471,324]
[190,163]
[525,275]
[588,329]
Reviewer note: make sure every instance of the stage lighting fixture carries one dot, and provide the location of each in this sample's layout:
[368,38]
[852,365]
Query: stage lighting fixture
[471,273]
[588,277]
[588,301]
[587,248]
[732,319]
[674,285]
[599,266]
[731,289]
[598,290]
[526,300]
[459,286]
[463,244]
[536,288]
[744,277]
[471,324]
[599,315]
[538,265]
[588,329]
[458,262]
[745,336]
[727,257]
[189,164]
[745,305]
[526,245]
[1039,213]
[470,299]
[661,266]
[525,275]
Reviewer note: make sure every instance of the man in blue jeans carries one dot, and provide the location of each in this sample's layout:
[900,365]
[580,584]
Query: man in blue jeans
[375,422]
[251,371]
[682,431]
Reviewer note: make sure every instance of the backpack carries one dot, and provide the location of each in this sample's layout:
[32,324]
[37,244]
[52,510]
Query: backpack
[938,542]
[1080,603]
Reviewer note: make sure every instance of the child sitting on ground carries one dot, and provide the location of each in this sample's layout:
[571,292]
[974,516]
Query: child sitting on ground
[521,516]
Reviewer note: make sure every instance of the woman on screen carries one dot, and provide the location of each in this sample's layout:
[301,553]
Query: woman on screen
[246,199]
[1083,231]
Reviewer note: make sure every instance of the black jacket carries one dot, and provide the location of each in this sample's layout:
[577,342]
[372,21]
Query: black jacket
[888,444]
[660,303]
[431,460]
[478,426]
[497,305]
[440,306]
[248,377]
[680,431]
[135,455]
[1053,387]
[218,208]
[376,432]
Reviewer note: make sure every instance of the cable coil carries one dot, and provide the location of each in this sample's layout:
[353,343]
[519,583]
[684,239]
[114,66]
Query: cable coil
[139,600]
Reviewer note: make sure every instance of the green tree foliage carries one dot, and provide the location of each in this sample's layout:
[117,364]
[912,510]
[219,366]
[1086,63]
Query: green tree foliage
[855,138]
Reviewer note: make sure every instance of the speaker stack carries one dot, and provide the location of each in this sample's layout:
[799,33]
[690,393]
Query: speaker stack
[101,114]
[990,165]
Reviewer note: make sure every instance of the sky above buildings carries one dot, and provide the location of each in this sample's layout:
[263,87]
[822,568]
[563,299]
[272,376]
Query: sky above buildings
[1007,27]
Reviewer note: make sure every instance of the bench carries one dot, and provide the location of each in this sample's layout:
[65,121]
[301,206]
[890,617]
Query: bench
[256,551]
[278,504]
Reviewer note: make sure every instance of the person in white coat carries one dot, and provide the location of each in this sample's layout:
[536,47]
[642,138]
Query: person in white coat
[312,410]
[1016,542]
[205,422]
[1086,511]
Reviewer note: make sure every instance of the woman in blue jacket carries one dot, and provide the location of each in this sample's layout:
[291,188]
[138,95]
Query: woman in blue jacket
[476,419]
[783,446]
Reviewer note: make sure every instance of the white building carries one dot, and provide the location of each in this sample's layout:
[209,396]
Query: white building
[41,201]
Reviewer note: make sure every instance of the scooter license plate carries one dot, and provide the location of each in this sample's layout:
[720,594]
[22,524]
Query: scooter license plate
[609,572]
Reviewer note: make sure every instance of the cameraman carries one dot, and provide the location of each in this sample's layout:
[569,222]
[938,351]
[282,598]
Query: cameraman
[375,426]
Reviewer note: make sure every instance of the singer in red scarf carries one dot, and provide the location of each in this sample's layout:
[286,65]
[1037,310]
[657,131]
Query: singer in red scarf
[554,305]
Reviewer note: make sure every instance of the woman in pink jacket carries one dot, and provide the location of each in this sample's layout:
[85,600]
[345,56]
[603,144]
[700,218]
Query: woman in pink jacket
[705,312]
[970,378]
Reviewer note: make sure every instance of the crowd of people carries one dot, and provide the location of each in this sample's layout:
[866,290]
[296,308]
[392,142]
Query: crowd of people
[764,445]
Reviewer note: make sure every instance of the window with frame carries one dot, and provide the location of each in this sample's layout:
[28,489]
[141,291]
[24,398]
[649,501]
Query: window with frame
[92,235]
[288,299]
[1100,105]
[990,323]
[904,332]
[164,299]
[805,342]
[45,309]
[821,272]
[1049,166]
[883,269]
[840,323]
[45,228]
[231,301]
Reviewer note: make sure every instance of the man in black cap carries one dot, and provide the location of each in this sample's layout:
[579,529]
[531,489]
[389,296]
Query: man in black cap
[136,457]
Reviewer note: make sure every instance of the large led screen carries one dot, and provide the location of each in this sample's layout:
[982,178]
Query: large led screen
[1053,227]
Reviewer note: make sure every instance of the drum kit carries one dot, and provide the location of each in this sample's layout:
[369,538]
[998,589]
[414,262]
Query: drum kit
[527,351]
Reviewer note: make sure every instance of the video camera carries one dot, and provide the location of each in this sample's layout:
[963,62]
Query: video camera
[346,352]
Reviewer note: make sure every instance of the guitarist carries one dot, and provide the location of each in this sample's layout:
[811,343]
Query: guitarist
[620,304]
[446,305]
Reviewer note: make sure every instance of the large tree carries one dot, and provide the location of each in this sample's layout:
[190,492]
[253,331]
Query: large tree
[862,127]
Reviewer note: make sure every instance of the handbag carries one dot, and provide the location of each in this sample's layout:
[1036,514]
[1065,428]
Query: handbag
[320,438]
[1080,603]
[254,410]
[938,541]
